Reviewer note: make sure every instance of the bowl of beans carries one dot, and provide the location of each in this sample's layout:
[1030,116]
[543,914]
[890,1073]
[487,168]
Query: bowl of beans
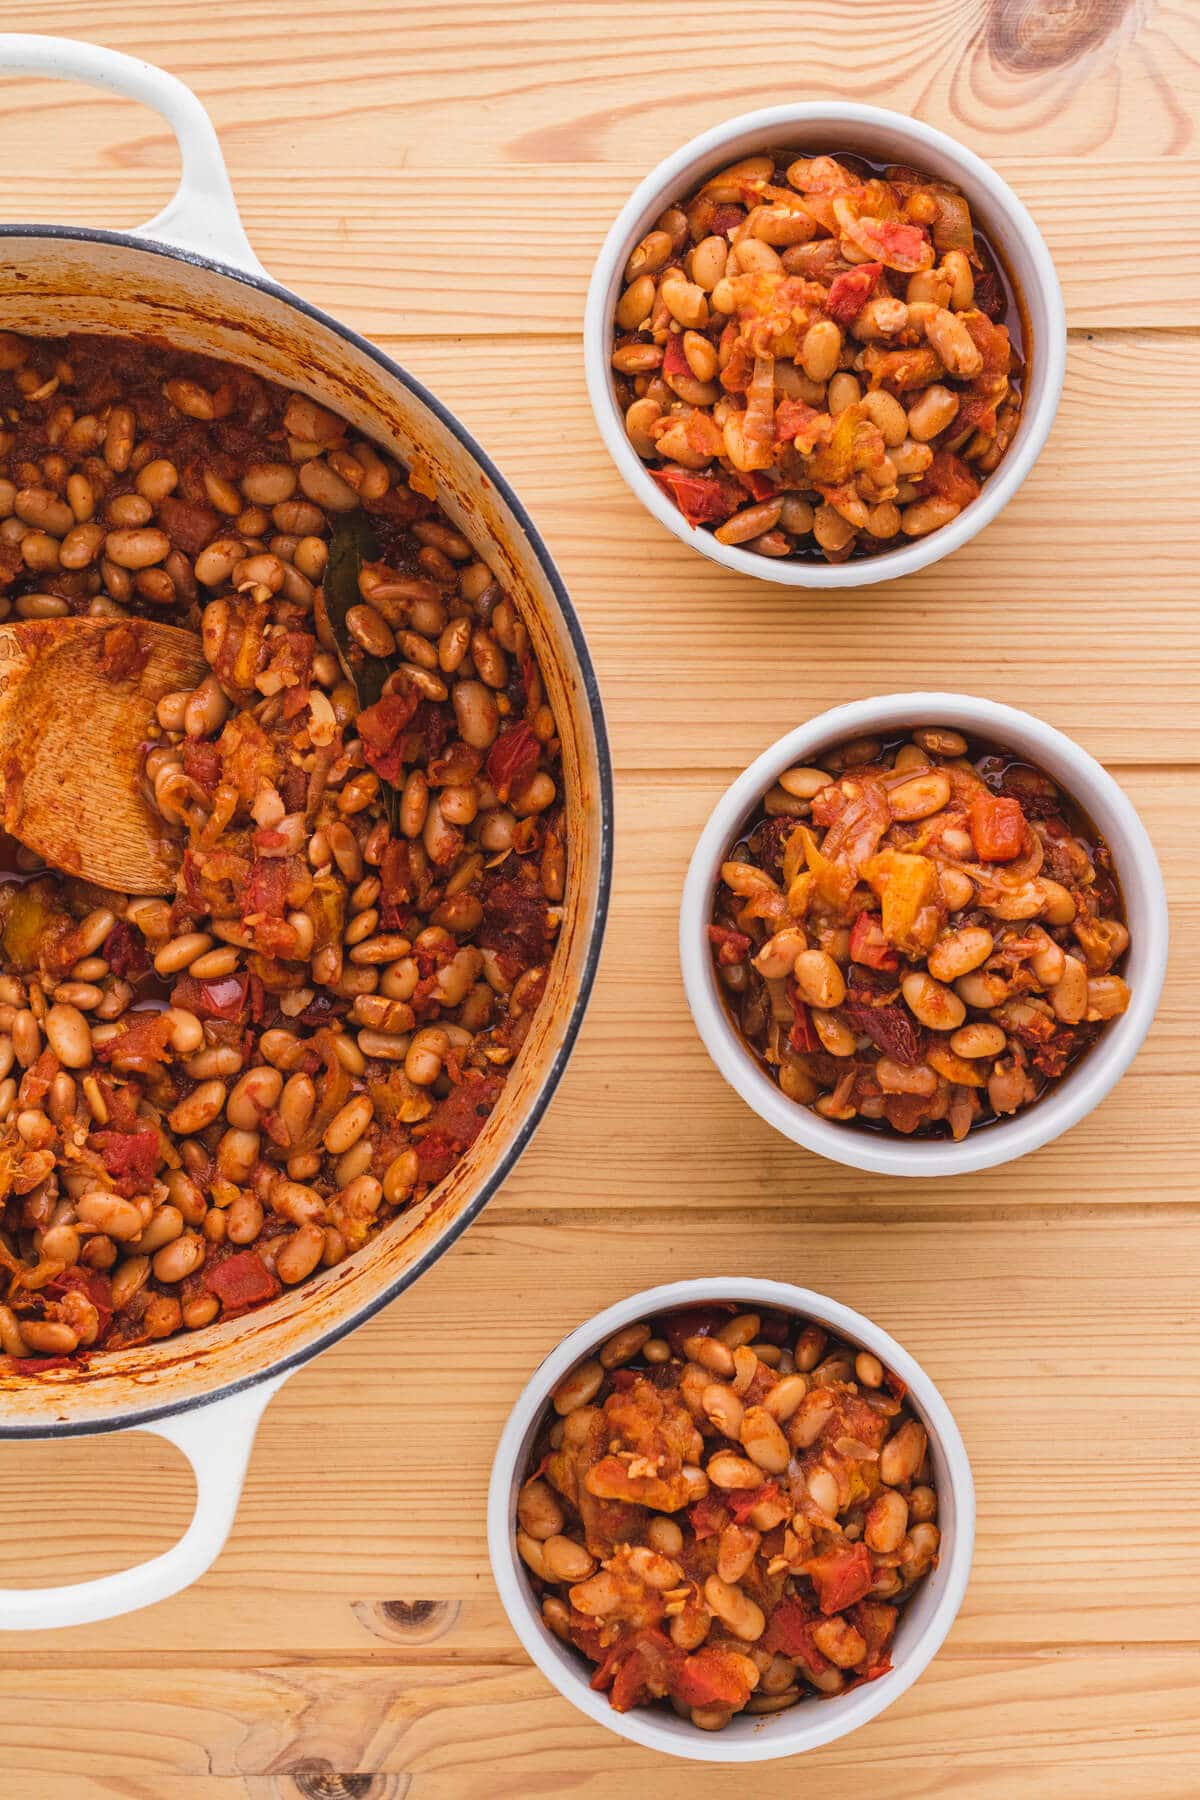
[731,1520]
[824,344]
[923,934]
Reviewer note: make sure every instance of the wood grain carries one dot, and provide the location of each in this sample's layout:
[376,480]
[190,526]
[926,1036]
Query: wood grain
[535,229]
[442,180]
[1049,609]
[295,1728]
[396,1514]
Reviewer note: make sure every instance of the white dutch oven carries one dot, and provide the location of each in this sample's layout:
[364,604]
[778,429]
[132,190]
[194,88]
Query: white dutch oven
[191,276]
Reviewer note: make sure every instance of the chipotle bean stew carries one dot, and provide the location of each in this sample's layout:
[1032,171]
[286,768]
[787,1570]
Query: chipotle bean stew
[728,1511]
[818,356]
[208,1096]
[919,935]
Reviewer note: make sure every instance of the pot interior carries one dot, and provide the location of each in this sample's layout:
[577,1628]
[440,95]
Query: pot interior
[53,282]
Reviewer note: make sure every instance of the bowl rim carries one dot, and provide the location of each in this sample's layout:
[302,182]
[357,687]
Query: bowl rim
[666,181]
[140,1409]
[815,1724]
[1080,1090]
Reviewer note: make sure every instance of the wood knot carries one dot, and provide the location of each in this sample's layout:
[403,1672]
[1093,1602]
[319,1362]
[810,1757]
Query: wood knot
[317,1779]
[1032,37]
[407,1621]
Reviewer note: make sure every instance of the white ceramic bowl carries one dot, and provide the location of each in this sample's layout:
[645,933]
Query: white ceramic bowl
[924,1622]
[1083,779]
[871,131]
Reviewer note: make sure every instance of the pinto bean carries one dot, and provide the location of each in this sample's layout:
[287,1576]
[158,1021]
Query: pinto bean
[300,1253]
[197,1109]
[578,1388]
[819,979]
[740,1615]
[539,1511]
[959,952]
[727,1470]
[722,1408]
[934,1004]
[886,1522]
[566,1560]
[623,1345]
[903,1453]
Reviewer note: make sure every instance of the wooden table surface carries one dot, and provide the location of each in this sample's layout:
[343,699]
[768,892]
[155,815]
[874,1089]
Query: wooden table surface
[441,178]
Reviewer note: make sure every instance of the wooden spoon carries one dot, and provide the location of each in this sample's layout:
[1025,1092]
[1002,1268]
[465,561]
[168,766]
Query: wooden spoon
[71,736]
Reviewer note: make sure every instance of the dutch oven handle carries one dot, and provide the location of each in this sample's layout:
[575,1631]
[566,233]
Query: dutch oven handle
[217,1440]
[203,214]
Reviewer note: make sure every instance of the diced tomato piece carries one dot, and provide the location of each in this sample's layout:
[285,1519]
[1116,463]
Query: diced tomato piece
[125,651]
[454,1124]
[892,1028]
[849,292]
[240,1282]
[841,1577]
[711,1677]
[789,1632]
[512,759]
[791,417]
[515,924]
[266,887]
[732,947]
[950,479]
[674,361]
[868,944]
[381,729]
[125,950]
[637,1668]
[92,1282]
[756,484]
[702,499]
[828,804]
[997,827]
[894,1385]
[131,1157]
[397,879]
[143,1041]
[738,365]
[202,763]
[901,246]
[694,1321]
[876,1624]
[742,1501]
[726,218]
[224,997]
[709,1516]
[802,1037]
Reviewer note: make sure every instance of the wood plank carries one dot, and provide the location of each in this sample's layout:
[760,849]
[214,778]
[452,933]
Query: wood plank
[1128,1720]
[1106,1160]
[697,665]
[443,179]
[1062,1371]
[615,79]
[535,230]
